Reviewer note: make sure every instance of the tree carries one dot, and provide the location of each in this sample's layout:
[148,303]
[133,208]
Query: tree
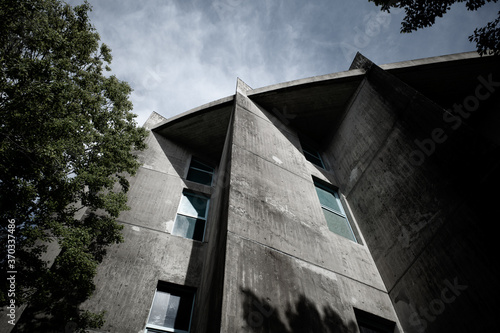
[423,13]
[67,140]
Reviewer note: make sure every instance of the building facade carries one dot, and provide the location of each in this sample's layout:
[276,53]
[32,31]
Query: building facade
[359,201]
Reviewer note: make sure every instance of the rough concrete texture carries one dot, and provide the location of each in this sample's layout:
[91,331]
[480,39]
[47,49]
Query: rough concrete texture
[281,259]
[271,291]
[423,219]
[127,278]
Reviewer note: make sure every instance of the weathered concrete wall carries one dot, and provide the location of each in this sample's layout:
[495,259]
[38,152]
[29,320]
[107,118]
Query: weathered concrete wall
[156,189]
[281,259]
[271,291]
[128,276]
[418,211]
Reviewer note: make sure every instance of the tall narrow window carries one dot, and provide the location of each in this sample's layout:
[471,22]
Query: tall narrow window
[191,218]
[334,213]
[200,172]
[172,309]
[311,154]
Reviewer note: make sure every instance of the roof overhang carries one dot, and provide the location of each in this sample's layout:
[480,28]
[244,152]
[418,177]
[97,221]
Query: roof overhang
[446,80]
[312,106]
[202,129]
[315,106]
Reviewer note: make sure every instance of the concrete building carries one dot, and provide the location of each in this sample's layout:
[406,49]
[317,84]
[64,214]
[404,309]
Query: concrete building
[359,201]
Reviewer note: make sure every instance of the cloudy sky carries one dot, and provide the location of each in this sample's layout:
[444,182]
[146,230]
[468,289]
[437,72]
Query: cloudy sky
[180,54]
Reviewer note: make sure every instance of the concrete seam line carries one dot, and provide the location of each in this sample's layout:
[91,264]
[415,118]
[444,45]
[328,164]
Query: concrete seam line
[306,261]
[272,162]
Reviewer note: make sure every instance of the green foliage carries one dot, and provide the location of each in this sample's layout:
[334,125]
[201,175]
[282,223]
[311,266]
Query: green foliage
[423,13]
[487,38]
[67,141]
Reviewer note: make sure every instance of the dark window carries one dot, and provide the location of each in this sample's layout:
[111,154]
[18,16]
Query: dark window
[335,216]
[370,323]
[172,309]
[311,154]
[200,172]
[191,218]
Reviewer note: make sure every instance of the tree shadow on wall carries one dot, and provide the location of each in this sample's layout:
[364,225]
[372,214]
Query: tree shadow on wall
[300,317]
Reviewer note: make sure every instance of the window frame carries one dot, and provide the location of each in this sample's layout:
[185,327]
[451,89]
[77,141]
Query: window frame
[373,322]
[187,192]
[309,149]
[341,213]
[167,287]
[191,167]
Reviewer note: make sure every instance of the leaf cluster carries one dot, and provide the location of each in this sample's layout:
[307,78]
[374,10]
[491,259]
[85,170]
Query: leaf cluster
[67,146]
[423,13]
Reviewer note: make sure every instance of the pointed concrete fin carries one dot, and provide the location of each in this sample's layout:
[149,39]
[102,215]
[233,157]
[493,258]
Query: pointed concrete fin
[242,87]
[153,119]
[360,62]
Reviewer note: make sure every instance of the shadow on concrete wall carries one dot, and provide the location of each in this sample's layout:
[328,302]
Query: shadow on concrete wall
[301,317]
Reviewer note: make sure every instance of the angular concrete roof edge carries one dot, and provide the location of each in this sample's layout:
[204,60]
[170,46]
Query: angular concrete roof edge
[431,60]
[310,80]
[194,111]
[153,119]
[358,72]
[353,73]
